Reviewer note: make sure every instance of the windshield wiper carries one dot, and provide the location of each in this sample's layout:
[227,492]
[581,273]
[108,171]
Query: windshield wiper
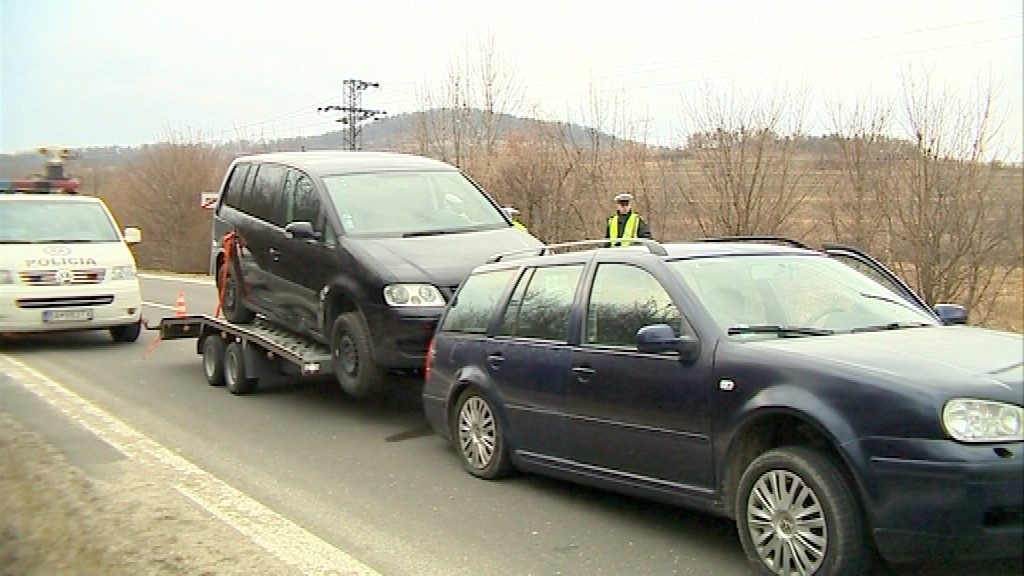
[783,331]
[902,303]
[432,232]
[65,241]
[891,326]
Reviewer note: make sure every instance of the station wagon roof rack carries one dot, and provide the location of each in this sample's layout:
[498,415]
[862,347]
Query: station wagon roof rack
[776,239]
[653,246]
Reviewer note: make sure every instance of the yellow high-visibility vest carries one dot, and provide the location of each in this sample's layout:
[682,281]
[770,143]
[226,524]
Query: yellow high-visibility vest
[632,225]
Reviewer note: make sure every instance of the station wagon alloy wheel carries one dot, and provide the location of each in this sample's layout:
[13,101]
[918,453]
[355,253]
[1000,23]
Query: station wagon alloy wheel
[786,523]
[797,515]
[478,436]
[477,432]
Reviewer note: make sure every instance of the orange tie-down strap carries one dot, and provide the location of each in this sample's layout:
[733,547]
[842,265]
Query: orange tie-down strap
[231,244]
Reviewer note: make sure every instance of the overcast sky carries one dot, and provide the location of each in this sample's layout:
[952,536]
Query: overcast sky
[129,72]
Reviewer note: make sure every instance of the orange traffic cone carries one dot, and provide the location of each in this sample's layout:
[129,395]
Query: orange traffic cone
[179,306]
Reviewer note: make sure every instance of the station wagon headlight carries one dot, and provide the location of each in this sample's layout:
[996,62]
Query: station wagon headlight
[6,277]
[413,295]
[122,272]
[970,420]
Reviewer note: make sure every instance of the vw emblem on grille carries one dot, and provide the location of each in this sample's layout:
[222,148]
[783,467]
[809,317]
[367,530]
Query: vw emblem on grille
[57,250]
[65,276]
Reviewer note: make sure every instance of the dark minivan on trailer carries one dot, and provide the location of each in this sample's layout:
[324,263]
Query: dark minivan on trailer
[359,251]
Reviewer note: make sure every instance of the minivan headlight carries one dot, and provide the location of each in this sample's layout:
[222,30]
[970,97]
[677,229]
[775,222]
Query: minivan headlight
[122,272]
[413,295]
[971,420]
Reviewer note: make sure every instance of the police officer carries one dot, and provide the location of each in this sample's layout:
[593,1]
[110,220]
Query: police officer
[625,224]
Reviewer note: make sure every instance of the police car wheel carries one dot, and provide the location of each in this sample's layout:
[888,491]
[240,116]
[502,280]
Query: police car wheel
[126,333]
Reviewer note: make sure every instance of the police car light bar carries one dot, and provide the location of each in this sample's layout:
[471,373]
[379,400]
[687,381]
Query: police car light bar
[39,186]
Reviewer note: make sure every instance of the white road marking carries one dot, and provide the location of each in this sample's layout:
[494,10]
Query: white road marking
[206,280]
[284,539]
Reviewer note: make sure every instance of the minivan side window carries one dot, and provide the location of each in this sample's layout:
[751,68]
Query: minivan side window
[473,307]
[623,299]
[300,202]
[236,185]
[544,309]
[266,190]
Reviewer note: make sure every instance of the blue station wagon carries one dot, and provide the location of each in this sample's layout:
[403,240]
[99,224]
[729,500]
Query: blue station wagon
[809,395]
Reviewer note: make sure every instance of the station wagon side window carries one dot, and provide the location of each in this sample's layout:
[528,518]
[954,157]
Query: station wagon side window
[473,307]
[542,304]
[623,299]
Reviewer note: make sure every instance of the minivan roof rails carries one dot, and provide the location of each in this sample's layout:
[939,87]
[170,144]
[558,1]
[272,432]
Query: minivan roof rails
[653,246]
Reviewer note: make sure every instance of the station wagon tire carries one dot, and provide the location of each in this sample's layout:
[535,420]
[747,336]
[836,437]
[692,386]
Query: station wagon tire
[126,333]
[820,532]
[479,437]
[352,355]
[233,303]
[213,360]
[237,381]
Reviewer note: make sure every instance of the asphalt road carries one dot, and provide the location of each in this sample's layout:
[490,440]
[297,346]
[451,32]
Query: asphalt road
[368,477]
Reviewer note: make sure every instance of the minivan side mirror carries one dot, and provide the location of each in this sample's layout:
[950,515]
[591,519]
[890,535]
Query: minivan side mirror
[951,314]
[301,230]
[132,235]
[659,338]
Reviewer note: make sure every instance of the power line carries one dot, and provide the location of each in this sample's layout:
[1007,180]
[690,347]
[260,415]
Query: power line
[354,114]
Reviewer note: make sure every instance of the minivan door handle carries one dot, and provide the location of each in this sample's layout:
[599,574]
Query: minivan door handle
[495,361]
[583,373]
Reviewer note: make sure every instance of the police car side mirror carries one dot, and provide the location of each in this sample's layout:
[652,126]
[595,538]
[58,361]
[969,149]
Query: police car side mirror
[132,235]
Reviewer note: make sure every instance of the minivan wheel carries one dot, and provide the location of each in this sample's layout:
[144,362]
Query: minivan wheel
[352,355]
[796,514]
[479,437]
[127,332]
[233,303]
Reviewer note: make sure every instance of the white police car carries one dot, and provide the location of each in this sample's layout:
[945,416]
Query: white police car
[64,264]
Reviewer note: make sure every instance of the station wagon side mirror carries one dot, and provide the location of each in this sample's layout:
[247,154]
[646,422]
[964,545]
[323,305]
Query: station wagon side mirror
[301,230]
[660,338]
[132,235]
[951,314]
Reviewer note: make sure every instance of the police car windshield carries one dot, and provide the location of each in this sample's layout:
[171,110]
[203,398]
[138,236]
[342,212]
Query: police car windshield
[411,203]
[50,222]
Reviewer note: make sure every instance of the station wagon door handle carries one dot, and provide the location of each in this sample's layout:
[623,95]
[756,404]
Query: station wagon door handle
[583,373]
[495,361]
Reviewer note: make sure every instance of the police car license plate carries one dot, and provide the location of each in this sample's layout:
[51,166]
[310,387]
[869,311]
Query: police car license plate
[69,315]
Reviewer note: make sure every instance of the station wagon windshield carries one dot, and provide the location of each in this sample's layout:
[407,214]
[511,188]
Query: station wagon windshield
[410,203]
[55,222]
[808,294]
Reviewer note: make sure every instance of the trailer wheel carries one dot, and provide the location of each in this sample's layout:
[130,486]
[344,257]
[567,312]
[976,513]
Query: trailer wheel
[235,378]
[352,355]
[213,360]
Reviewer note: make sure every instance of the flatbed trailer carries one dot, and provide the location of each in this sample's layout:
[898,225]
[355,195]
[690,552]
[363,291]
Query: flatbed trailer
[238,355]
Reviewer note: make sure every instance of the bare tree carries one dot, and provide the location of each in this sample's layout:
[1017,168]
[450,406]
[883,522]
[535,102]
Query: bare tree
[752,182]
[160,192]
[955,236]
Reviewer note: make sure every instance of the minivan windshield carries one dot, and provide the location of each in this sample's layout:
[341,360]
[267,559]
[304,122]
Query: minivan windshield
[781,295]
[45,222]
[411,203]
